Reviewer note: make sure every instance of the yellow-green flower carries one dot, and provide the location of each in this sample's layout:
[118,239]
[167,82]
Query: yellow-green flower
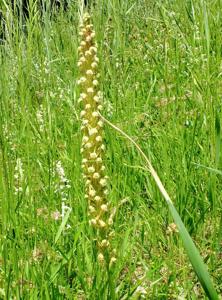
[92,149]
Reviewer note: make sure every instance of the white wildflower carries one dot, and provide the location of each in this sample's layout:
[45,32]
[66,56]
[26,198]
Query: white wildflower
[40,118]
[18,176]
[62,188]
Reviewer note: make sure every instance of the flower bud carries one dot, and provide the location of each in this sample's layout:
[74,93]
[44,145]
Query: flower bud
[90,90]
[98,199]
[93,155]
[96,175]
[100,123]
[95,114]
[104,207]
[85,139]
[89,72]
[88,145]
[104,244]
[93,131]
[93,222]
[101,258]
[87,106]
[91,169]
[101,224]
[99,138]
[92,193]
[112,261]
[82,114]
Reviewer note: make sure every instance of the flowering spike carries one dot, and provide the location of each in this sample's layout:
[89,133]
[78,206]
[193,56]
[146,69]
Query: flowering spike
[92,141]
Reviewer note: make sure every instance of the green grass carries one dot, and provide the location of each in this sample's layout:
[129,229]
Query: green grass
[161,79]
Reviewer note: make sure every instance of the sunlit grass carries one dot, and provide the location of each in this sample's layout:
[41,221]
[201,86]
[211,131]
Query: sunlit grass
[161,79]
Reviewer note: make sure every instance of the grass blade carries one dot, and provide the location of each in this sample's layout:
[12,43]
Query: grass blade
[192,252]
[219,172]
[62,226]
[194,255]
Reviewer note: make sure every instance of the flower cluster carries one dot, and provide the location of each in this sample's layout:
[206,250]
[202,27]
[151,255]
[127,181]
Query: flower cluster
[92,141]
[62,188]
[40,118]
[64,183]
[18,176]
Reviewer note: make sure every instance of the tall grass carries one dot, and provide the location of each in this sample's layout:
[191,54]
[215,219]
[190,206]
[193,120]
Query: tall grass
[161,73]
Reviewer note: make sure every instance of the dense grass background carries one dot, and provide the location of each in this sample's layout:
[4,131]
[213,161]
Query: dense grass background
[161,78]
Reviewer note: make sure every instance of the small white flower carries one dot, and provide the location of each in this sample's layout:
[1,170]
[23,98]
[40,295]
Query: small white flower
[96,99]
[83,96]
[104,207]
[88,38]
[40,118]
[93,50]
[110,221]
[100,123]
[96,175]
[105,192]
[93,131]
[82,59]
[99,160]
[92,209]
[91,169]
[68,226]
[90,90]
[103,182]
[65,208]
[18,176]
[83,113]
[89,72]
[112,260]
[89,26]
[93,155]
[101,258]
[87,53]
[94,65]
[98,199]
[88,145]
[141,291]
[93,34]
[83,43]
[81,80]
[95,82]
[55,215]
[85,121]
[93,222]
[101,223]
[104,243]
[85,139]
[92,193]
[99,138]
[95,114]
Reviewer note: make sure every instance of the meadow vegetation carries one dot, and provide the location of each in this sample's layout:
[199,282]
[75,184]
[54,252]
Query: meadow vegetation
[160,75]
